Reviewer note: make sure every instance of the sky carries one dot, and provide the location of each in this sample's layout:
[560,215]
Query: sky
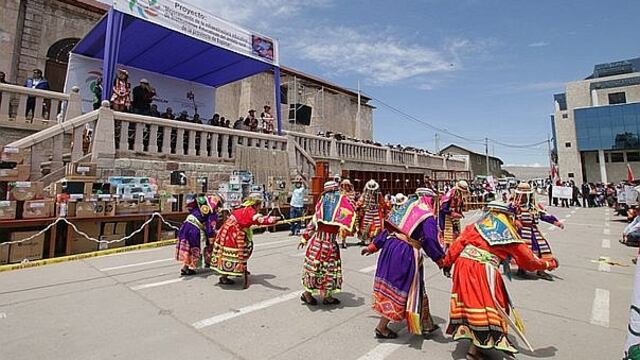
[477,68]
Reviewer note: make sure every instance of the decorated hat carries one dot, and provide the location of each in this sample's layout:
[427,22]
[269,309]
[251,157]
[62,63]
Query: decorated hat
[330,185]
[499,206]
[524,188]
[371,185]
[407,215]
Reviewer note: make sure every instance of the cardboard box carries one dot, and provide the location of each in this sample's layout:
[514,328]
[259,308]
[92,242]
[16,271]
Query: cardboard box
[4,254]
[7,210]
[35,209]
[88,209]
[127,207]
[109,208]
[26,190]
[19,173]
[26,250]
[80,244]
[113,245]
[11,154]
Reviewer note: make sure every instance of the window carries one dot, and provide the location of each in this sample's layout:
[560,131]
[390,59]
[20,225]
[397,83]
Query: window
[570,175]
[567,144]
[565,116]
[617,157]
[617,98]
[633,156]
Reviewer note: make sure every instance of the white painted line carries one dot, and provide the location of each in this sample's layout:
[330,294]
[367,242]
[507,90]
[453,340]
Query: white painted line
[604,267]
[368,269]
[606,244]
[600,308]
[136,264]
[245,310]
[156,284]
[381,351]
[606,231]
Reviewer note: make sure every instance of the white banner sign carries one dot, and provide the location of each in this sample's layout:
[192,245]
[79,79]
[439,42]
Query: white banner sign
[170,92]
[190,20]
[562,192]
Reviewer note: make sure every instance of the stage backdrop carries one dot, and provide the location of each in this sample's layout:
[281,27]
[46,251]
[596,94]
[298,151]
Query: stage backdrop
[170,92]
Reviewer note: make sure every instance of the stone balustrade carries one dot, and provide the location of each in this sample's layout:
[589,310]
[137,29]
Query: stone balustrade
[144,135]
[27,108]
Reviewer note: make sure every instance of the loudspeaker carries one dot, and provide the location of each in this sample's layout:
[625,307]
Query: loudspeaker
[300,113]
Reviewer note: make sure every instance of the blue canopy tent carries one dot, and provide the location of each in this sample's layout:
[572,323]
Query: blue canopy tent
[131,40]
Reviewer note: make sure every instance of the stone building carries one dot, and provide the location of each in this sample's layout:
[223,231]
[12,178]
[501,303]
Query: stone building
[40,34]
[476,162]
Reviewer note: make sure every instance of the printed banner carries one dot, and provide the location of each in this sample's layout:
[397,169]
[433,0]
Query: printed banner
[170,92]
[562,192]
[199,24]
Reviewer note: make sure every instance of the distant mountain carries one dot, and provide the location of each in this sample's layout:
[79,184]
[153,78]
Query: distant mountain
[528,172]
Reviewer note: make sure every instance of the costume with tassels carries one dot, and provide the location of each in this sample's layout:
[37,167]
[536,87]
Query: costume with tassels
[322,269]
[451,208]
[196,234]
[399,290]
[234,242]
[371,212]
[481,308]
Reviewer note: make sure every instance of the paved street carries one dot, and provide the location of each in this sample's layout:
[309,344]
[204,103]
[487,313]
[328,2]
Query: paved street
[135,306]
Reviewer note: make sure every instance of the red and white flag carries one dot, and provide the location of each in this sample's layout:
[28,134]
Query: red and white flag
[630,176]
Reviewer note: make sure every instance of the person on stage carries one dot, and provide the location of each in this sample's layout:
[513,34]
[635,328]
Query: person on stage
[322,269]
[451,208]
[481,309]
[233,245]
[399,291]
[193,248]
[528,214]
[346,189]
[371,212]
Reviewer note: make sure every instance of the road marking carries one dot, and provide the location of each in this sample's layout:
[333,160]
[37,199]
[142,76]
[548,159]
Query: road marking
[606,243]
[606,231]
[380,352]
[136,264]
[245,310]
[156,284]
[604,267]
[600,308]
[368,269]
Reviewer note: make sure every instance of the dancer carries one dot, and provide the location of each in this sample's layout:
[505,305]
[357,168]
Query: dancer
[528,214]
[451,208]
[193,248]
[398,291]
[346,189]
[480,306]
[371,212]
[233,245]
[322,270]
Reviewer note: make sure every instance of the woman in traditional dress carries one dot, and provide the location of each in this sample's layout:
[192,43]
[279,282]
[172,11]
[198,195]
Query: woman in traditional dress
[371,212]
[121,93]
[193,248]
[399,291]
[451,208]
[528,214]
[481,307]
[322,269]
[234,242]
[346,189]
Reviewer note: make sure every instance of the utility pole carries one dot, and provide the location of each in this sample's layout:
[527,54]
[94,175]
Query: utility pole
[486,152]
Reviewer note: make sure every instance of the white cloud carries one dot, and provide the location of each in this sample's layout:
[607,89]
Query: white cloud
[539,44]
[379,58]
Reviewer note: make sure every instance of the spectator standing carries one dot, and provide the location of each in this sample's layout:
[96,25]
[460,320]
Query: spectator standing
[297,204]
[35,82]
[253,121]
[168,114]
[121,93]
[97,93]
[142,97]
[267,120]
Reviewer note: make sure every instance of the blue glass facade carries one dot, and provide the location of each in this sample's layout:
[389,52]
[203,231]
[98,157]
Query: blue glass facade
[612,127]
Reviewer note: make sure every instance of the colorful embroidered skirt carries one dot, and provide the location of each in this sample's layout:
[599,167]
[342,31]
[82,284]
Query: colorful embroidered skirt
[473,312]
[231,249]
[189,247]
[322,269]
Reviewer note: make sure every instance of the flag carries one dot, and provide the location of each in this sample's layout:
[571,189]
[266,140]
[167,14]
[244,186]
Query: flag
[630,176]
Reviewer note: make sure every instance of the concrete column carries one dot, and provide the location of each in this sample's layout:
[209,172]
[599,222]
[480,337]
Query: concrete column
[603,167]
